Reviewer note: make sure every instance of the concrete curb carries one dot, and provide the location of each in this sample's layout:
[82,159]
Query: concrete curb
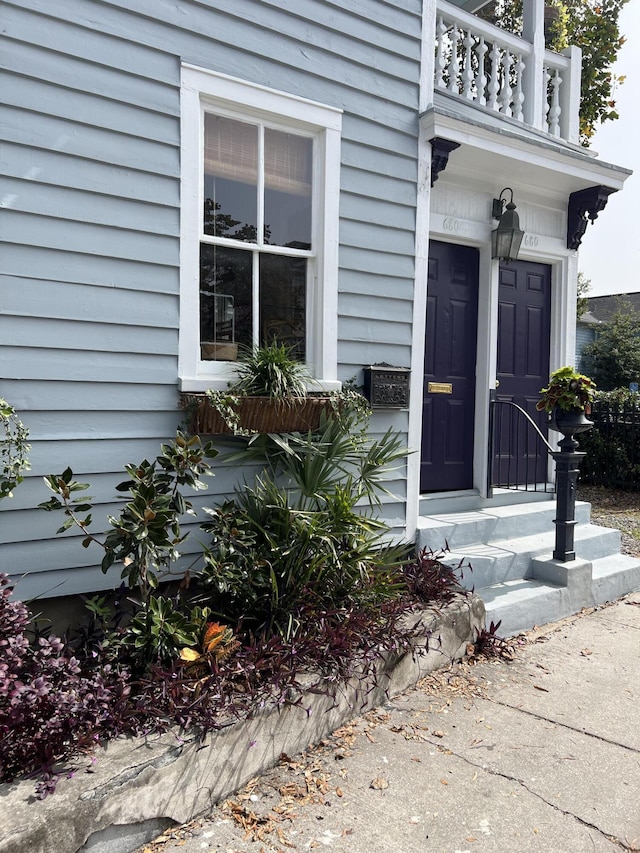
[139,786]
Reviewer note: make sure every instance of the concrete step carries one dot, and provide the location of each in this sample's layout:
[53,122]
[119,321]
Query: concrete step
[520,604]
[505,554]
[510,559]
[445,502]
[491,525]
[614,576]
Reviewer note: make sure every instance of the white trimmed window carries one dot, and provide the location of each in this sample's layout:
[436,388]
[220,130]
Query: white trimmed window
[259,227]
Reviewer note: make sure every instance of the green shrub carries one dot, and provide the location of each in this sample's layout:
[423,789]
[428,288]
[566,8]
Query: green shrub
[305,531]
[613,445]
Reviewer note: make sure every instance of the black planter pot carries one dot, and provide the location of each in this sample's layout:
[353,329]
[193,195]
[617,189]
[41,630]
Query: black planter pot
[569,421]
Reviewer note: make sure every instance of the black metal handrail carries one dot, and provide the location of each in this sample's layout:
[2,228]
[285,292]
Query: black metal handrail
[518,453]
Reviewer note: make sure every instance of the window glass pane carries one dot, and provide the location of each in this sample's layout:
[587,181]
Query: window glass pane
[230,178]
[287,189]
[283,297]
[225,302]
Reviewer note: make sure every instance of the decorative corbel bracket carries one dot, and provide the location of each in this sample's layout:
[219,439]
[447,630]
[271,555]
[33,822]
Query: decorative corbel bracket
[583,205]
[440,150]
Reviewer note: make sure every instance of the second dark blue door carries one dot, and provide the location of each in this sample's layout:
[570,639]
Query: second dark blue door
[524,323]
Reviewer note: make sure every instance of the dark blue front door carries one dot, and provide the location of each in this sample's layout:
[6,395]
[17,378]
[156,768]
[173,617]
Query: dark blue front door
[524,323]
[449,368]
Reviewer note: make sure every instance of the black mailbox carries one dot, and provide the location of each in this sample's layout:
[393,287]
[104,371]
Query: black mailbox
[387,387]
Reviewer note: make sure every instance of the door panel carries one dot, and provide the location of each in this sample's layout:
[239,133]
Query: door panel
[524,323]
[450,360]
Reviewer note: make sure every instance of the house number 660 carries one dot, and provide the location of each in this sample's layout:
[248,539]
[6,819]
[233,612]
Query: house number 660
[530,240]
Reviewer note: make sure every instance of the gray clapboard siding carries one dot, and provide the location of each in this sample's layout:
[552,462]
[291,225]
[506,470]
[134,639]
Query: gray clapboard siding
[37,363]
[363,352]
[88,302]
[91,336]
[78,138]
[39,167]
[380,136]
[33,262]
[377,186]
[387,240]
[42,396]
[375,330]
[334,18]
[372,307]
[93,153]
[88,456]
[50,426]
[91,239]
[370,283]
[368,159]
[35,26]
[95,85]
[367,260]
[84,206]
[380,212]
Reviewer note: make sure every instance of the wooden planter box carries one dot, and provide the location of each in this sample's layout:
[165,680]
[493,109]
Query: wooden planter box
[258,414]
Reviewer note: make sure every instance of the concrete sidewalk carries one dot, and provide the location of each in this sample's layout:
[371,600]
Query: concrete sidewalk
[540,754]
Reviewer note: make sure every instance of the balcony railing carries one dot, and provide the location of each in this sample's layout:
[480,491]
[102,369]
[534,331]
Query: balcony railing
[512,76]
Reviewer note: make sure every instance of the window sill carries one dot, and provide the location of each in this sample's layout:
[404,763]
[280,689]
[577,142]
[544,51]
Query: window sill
[221,383]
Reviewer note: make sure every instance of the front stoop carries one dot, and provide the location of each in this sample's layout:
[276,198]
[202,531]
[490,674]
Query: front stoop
[140,786]
[507,552]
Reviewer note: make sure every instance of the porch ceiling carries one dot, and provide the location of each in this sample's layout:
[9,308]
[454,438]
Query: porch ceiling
[495,152]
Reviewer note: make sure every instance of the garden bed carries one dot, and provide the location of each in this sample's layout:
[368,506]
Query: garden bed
[135,787]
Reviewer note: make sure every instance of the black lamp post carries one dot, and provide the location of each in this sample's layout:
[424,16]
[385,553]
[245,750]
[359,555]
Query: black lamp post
[507,237]
[568,461]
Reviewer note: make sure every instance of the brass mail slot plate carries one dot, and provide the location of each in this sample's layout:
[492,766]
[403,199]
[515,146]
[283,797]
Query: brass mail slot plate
[440,388]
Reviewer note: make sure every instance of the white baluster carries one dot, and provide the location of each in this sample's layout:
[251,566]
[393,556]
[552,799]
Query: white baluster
[494,86]
[441,61]
[518,98]
[454,65]
[506,92]
[554,110]
[481,77]
[545,106]
[467,73]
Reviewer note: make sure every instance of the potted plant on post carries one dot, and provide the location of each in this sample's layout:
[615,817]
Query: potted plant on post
[568,399]
[269,395]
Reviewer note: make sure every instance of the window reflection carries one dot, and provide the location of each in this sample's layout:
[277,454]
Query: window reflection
[226,320]
[283,293]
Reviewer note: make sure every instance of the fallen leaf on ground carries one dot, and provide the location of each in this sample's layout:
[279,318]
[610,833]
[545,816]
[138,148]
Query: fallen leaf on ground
[379,783]
[586,652]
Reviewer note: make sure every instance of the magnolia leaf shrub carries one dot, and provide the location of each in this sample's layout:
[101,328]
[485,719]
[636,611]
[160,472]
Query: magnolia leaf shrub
[14,449]
[145,537]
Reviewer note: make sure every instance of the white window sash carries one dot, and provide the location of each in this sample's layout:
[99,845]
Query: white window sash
[203,91]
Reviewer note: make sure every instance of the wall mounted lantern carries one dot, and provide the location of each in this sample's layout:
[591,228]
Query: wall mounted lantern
[506,239]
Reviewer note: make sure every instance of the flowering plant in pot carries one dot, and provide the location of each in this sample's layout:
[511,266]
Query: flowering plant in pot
[567,399]
[269,395]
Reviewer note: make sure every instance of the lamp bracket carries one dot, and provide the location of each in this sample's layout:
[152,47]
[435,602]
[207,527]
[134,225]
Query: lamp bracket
[498,204]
